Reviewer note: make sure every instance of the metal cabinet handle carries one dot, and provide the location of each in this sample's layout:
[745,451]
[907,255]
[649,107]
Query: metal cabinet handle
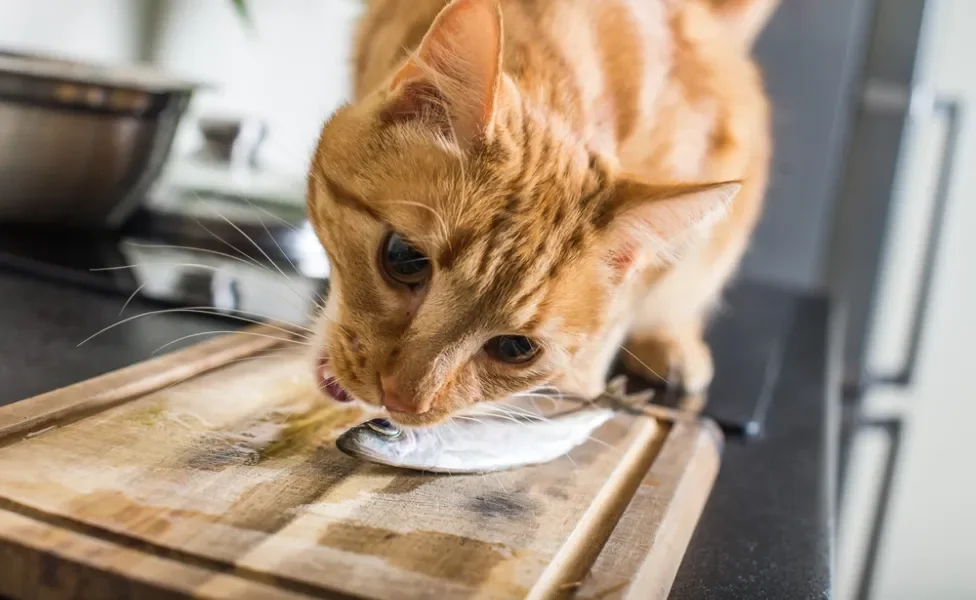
[892,427]
[951,110]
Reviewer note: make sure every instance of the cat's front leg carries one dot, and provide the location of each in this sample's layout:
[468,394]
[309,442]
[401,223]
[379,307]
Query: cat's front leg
[675,356]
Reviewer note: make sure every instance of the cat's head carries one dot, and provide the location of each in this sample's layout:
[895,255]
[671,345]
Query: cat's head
[477,245]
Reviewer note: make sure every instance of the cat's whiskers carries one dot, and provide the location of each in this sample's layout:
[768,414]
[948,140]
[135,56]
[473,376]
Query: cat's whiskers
[267,212]
[643,364]
[245,255]
[520,418]
[593,438]
[469,418]
[226,331]
[293,337]
[512,407]
[275,241]
[233,313]
[556,392]
[318,301]
[517,411]
[603,443]
[535,404]
[501,416]
[288,281]
[548,396]
[289,300]
[214,311]
[533,396]
[131,297]
[286,224]
[523,418]
[160,312]
[202,251]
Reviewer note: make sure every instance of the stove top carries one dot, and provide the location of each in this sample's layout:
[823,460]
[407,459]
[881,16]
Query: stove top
[254,263]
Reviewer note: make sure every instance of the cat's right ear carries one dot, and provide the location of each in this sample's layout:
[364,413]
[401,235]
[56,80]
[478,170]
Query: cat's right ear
[452,80]
[655,222]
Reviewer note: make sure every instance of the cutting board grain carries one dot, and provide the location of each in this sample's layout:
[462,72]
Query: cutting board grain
[212,473]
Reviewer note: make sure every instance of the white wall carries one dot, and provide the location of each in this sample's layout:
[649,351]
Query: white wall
[100,30]
[291,69]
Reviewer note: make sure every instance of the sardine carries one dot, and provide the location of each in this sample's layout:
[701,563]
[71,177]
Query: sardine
[488,443]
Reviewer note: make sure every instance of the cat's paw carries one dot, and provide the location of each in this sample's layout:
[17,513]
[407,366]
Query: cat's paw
[681,364]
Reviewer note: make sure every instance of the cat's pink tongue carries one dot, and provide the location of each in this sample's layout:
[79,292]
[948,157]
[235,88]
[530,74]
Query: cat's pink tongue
[330,383]
[335,390]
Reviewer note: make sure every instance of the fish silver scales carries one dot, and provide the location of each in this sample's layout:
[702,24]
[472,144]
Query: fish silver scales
[488,443]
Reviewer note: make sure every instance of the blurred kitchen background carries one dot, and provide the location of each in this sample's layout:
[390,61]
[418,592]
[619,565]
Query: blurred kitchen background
[868,201]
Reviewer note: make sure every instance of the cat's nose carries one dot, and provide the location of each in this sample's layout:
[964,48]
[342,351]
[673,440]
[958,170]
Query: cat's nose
[394,400]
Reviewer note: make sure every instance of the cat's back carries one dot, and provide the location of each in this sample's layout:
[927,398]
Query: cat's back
[594,60]
[666,86]
[541,36]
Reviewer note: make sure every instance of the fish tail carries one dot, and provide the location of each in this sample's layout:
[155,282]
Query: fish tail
[615,396]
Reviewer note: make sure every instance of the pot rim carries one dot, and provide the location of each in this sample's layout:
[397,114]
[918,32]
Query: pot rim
[134,77]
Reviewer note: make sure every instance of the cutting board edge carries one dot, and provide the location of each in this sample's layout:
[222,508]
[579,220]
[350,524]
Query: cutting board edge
[693,448]
[67,563]
[581,549]
[41,412]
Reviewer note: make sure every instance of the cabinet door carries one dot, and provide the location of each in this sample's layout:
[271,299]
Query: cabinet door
[894,102]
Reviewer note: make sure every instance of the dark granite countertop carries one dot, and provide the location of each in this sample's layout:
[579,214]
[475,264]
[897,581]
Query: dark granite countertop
[42,323]
[767,529]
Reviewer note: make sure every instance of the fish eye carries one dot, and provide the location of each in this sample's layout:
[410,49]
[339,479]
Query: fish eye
[401,263]
[384,427]
[511,349]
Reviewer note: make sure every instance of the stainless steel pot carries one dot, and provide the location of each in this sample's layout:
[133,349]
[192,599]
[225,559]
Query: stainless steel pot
[81,145]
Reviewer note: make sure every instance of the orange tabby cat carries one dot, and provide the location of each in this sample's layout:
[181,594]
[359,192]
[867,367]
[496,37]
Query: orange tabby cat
[521,185]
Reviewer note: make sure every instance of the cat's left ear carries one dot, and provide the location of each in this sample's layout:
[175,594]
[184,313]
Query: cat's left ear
[455,74]
[654,223]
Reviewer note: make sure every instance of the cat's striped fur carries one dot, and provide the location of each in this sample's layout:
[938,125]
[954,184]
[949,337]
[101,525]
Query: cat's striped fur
[576,170]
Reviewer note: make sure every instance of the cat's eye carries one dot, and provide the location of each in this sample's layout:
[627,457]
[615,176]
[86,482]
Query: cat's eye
[403,263]
[512,349]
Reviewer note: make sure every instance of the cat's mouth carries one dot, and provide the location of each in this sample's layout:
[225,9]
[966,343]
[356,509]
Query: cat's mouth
[335,389]
[329,383]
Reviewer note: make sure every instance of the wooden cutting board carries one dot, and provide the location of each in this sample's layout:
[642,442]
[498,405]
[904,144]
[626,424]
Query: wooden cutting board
[212,472]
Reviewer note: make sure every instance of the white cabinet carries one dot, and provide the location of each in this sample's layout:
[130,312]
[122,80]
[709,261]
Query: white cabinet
[926,549]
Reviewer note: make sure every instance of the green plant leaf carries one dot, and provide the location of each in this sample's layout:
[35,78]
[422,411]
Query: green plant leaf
[240,6]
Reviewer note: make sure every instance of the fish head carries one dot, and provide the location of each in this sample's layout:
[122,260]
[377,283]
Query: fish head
[384,442]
